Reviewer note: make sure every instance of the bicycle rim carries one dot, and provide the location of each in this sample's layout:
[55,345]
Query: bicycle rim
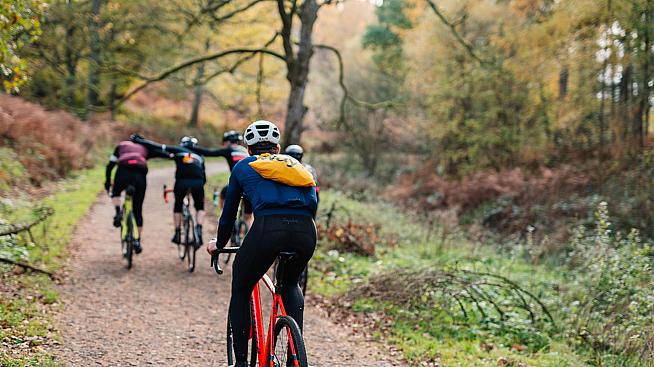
[288,346]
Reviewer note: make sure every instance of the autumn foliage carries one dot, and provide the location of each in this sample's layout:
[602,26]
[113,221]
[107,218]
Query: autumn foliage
[50,144]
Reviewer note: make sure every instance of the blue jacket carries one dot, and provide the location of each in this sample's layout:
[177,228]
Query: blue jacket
[267,197]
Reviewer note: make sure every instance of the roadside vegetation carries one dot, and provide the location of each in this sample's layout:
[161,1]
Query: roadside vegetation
[52,188]
[28,299]
[446,300]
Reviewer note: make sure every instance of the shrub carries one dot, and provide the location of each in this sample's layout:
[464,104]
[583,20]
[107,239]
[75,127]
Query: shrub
[49,144]
[611,304]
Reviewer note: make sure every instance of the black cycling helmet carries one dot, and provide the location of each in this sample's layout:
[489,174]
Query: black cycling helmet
[295,151]
[232,136]
[188,142]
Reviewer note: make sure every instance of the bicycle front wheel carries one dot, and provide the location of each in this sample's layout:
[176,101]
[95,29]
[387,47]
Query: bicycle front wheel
[288,345]
[189,242]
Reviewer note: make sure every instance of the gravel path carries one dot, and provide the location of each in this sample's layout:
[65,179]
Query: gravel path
[157,314]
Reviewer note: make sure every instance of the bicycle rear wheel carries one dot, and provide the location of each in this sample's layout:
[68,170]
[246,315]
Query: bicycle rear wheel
[288,345]
[129,240]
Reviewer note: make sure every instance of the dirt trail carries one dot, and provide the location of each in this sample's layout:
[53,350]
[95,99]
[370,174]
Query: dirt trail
[157,313]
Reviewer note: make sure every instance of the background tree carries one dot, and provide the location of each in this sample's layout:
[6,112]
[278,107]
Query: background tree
[21,25]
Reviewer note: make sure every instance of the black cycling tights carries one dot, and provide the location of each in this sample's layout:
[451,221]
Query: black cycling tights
[269,236]
[126,176]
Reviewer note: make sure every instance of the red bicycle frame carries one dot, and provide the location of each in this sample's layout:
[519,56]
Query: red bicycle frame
[265,350]
[266,354]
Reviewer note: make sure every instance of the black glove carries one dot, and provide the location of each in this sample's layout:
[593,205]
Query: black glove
[135,138]
[107,185]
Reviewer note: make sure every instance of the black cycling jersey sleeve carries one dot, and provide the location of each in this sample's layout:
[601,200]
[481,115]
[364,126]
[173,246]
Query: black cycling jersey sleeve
[222,152]
[157,153]
[228,216]
[110,167]
[152,146]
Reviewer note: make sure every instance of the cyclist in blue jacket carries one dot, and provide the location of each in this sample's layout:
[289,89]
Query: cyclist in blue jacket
[283,221]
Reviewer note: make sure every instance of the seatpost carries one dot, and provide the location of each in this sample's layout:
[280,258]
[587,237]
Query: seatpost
[281,267]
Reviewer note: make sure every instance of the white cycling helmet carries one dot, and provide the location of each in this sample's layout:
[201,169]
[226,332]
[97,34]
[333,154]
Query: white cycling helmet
[260,131]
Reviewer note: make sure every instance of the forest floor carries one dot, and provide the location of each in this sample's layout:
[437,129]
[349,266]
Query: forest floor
[159,314]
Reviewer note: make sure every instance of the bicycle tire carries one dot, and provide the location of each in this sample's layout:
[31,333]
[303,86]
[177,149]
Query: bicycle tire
[129,239]
[183,245]
[190,244]
[293,332]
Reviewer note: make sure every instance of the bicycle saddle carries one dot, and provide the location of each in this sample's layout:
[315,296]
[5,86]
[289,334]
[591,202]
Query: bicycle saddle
[130,190]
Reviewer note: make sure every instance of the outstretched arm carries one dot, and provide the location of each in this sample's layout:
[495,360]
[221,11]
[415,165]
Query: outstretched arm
[228,216]
[152,146]
[158,153]
[221,152]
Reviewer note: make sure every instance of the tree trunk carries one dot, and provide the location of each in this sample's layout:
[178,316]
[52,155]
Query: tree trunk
[645,95]
[112,100]
[71,61]
[198,91]
[563,82]
[94,56]
[298,68]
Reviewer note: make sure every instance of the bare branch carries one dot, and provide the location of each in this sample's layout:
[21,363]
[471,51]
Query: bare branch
[456,34]
[188,63]
[259,83]
[236,11]
[287,27]
[240,61]
[346,93]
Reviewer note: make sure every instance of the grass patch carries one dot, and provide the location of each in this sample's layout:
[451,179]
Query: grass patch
[28,300]
[425,333]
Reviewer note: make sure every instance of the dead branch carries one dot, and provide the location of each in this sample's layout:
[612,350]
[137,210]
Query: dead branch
[28,267]
[13,229]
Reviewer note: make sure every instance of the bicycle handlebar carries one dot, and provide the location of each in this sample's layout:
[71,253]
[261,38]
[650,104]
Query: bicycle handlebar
[215,264]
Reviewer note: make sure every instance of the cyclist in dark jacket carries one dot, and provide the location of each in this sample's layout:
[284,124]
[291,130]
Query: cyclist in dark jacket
[234,152]
[297,152]
[189,177]
[131,160]
[283,221]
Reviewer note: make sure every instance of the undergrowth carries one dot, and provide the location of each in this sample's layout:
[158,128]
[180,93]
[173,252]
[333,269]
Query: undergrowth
[448,301]
[28,299]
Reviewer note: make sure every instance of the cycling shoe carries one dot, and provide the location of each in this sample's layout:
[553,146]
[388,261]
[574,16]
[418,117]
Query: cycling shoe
[137,246]
[177,237]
